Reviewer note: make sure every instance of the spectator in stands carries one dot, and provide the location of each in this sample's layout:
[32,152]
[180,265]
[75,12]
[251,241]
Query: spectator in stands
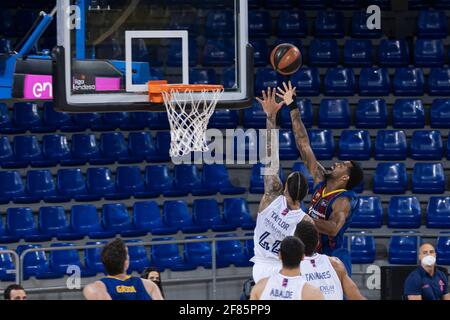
[15,292]
[426,282]
[151,273]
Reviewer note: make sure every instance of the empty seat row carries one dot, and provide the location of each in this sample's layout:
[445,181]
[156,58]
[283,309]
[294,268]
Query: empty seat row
[371,82]
[26,150]
[28,116]
[391,178]
[115,219]
[100,183]
[402,212]
[190,256]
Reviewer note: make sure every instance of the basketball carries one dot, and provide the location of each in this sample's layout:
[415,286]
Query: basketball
[286,59]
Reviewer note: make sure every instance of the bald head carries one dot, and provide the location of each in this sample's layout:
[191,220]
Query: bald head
[426,250]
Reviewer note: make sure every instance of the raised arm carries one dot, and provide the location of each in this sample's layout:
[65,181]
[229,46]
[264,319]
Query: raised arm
[351,290]
[331,227]
[301,135]
[273,186]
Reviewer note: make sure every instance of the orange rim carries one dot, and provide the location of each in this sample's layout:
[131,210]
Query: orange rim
[156,88]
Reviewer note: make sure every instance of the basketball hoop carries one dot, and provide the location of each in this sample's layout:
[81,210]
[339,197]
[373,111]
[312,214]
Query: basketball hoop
[189,107]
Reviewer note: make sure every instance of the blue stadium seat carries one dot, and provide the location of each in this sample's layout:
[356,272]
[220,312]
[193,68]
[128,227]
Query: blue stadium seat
[362,249]
[60,260]
[92,258]
[147,217]
[99,181]
[404,212]
[390,178]
[443,249]
[403,249]
[138,256]
[428,178]
[115,120]
[6,125]
[54,120]
[427,145]
[300,166]
[20,223]
[53,223]
[71,183]
[206,213]
[26,116]
[374,82]
[27,151]
[432,24]
[390,145]
[249,247]
[158,180]
[87,120]
[260,52]
[183,20]
[229,78]
[39,186]
[224,119]
[429,53]
[230,252]
[306,114]
[408,113]
[84,219]
[142,120]
[84,148]
[438,212]
[329,24]
[368,213]
[198,253]
[408,82]
[55,148]
[257,179]
[141,147]
[6,266]
[176,214]
[202,76]
[188,180]
[339,82]
[218,53]
[11,186]
[237,213]
[393,53]
[359,26]
[439,82]
[307,82]
[129,180]
[334,113]
[371,114]
[175,53]
[246,146]
[219,24]
[113,147]
[287,145]
[440,113]
[255,117]
[355,145]
[154,120]
[292,23]
[35,262]
[6,152]
[167,256]
[215,178]
[322,143]
[115,218]
[323,53]
[259,24]
[265,77]
[358,53]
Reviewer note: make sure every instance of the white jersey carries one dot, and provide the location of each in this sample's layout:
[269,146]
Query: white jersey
[279,287]
[318,271]
[273,224]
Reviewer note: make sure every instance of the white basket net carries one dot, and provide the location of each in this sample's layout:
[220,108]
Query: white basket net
[189,114]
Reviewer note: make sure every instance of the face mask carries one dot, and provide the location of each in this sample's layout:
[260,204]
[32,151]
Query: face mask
[428,261]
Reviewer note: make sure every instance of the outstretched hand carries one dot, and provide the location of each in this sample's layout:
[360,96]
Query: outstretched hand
[269,103]
[287,94]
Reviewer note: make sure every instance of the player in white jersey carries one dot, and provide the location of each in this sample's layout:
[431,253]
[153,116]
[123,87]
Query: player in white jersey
[287,284]
[279,210]
[324,272]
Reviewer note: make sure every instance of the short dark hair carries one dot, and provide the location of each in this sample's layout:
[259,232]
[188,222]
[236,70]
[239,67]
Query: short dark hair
[292,250]
[114,255]
[297,186]
[308,234]
[11,287]
[356,175]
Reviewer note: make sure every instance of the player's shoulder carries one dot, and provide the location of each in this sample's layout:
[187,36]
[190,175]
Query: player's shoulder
[337,265]
[95,291]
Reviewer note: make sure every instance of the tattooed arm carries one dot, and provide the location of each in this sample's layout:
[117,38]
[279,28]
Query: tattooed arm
[301,136]
[272,183]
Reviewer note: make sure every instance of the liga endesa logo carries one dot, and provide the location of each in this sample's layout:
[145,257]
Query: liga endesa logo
[38,87]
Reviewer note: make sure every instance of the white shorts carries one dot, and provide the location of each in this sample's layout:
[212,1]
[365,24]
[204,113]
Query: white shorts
[263,270]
